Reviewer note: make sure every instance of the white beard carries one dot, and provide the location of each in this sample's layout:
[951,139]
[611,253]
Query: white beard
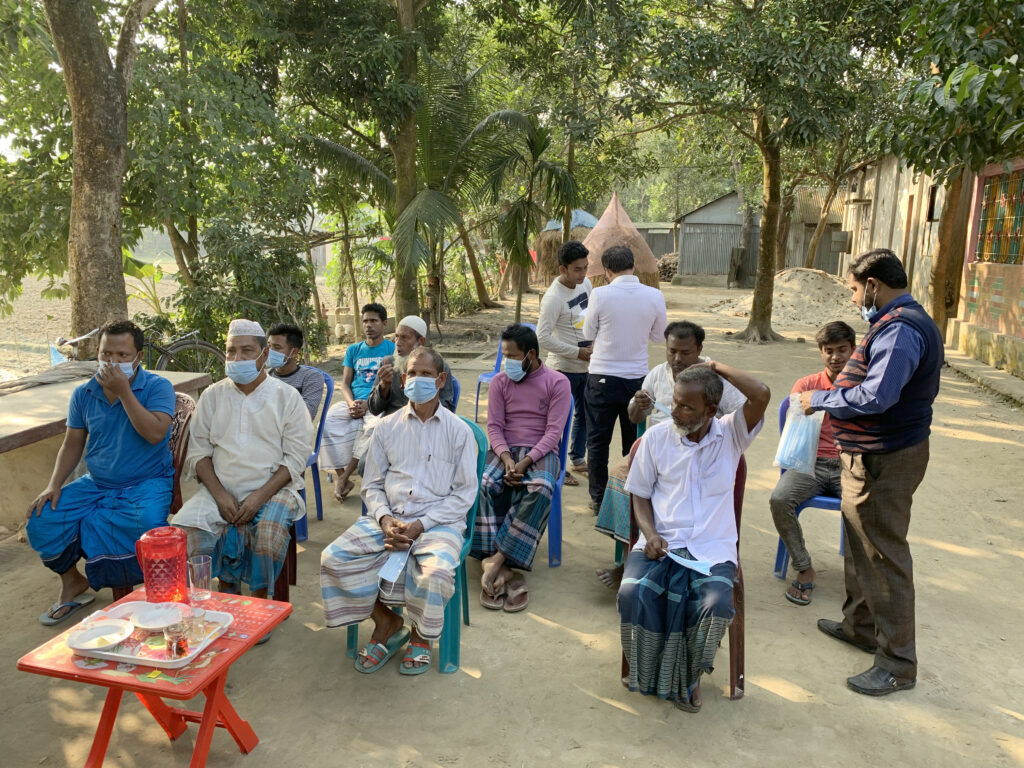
[686,432]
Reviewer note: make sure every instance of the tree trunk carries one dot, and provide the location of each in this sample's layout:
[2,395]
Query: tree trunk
[759,328]
[184,253]
[403,148]
[478,277]
[570,167]
[97,94]
[346,253]
[819,229]
[782,234]
[949,252]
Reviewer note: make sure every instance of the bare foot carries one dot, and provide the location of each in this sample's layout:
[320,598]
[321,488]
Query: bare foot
[611,577]
[385,623]
[342,489]
[407,662]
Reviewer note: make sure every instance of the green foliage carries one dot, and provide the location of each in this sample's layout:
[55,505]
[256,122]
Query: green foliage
[143,279]
[245,273]
[964,105]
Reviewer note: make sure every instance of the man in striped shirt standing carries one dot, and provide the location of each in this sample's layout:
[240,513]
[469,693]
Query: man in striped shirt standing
[881,413]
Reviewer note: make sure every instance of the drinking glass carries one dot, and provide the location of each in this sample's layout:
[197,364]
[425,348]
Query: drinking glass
[200,570]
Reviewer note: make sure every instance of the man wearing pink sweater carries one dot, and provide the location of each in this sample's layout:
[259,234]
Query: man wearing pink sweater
[527,406]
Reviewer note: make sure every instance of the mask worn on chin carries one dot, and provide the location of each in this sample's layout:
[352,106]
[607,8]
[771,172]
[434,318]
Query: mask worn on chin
[515,369]
[420,389]
[867,312]
[241,371]
[276,359]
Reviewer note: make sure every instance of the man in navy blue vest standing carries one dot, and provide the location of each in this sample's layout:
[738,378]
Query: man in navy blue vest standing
[881,413]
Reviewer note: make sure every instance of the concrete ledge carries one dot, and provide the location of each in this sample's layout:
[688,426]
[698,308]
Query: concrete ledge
[998,350]
[1002,383]
[701,280]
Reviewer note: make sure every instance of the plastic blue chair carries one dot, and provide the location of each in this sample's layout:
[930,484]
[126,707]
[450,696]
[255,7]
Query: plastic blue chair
[817,502]
[555,517]
[300,525]
[450,644]
[485,378]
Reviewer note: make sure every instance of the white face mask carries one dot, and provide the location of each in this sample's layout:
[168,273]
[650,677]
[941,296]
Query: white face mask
[865,311]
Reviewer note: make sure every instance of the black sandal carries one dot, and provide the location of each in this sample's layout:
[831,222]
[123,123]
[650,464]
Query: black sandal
[803,588]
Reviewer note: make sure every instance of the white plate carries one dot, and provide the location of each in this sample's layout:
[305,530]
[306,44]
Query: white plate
[156,616]
[100,635]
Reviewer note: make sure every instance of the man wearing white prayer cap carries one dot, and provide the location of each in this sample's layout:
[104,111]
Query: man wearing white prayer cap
[248,444]
[385,399]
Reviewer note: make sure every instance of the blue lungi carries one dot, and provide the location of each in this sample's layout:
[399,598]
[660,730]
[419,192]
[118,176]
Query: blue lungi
[101,525]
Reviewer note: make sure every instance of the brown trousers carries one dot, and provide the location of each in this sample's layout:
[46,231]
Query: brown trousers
[878,489]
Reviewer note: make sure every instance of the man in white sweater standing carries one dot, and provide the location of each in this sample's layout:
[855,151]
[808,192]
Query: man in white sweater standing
[560,332]
[622,318]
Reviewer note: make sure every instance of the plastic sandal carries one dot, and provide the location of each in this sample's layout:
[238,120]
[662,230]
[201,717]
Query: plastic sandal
[419,659]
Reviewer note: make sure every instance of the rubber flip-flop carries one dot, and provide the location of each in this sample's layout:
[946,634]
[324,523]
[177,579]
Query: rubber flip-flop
[419,658]
[802,587]
[516,590]
[381,652]
[47,618]
[570,480]
[493,602]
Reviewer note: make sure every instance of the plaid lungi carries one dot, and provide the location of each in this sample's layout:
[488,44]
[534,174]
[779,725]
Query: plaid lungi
[615,516]
[253,553]
[673,619]
[511,520]
[349,582]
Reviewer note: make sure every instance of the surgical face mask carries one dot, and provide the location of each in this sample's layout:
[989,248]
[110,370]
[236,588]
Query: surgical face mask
[865,311]
[241,371]
[276,359]
[515,369]
[420,389]
[128,369]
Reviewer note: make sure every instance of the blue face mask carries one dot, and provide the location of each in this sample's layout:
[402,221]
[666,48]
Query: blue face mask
[241,371]
[866,312]
[128,369]
[514,369]
[420,389]
[276,359]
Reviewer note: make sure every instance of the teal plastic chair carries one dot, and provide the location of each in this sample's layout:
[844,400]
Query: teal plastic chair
[620,549]
[450,644]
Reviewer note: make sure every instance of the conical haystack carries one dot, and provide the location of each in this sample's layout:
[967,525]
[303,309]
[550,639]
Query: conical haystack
[546,244]
[616,228]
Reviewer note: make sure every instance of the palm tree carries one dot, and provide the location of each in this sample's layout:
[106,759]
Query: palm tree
[456,160]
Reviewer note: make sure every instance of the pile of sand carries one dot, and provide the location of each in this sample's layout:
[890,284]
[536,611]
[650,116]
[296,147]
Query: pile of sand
[802,297]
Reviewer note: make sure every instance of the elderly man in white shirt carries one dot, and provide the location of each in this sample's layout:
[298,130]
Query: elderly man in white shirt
[248,444]
[675,601]
[621,318]
[420,482]
[684,342]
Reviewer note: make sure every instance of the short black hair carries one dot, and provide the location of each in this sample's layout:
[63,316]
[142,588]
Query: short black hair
[380,309]
[707,378]
[684,329]
[618,258]
[570,251]
[881,264]
[121,327]
[524,337]
[430,352]
[834,332]
[292,333]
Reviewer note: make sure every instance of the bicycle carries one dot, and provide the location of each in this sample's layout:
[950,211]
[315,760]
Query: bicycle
[183,353]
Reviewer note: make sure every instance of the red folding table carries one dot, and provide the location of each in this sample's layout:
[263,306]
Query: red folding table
[253,618]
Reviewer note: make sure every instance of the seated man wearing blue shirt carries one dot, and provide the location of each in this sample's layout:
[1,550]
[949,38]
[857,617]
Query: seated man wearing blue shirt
[125,412]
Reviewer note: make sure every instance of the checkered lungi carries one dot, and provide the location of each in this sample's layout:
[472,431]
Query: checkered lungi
[512,519]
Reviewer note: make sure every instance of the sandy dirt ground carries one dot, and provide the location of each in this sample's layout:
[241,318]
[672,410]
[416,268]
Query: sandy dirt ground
[542,687]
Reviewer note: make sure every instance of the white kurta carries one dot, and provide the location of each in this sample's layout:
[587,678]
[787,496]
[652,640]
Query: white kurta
[248,437]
